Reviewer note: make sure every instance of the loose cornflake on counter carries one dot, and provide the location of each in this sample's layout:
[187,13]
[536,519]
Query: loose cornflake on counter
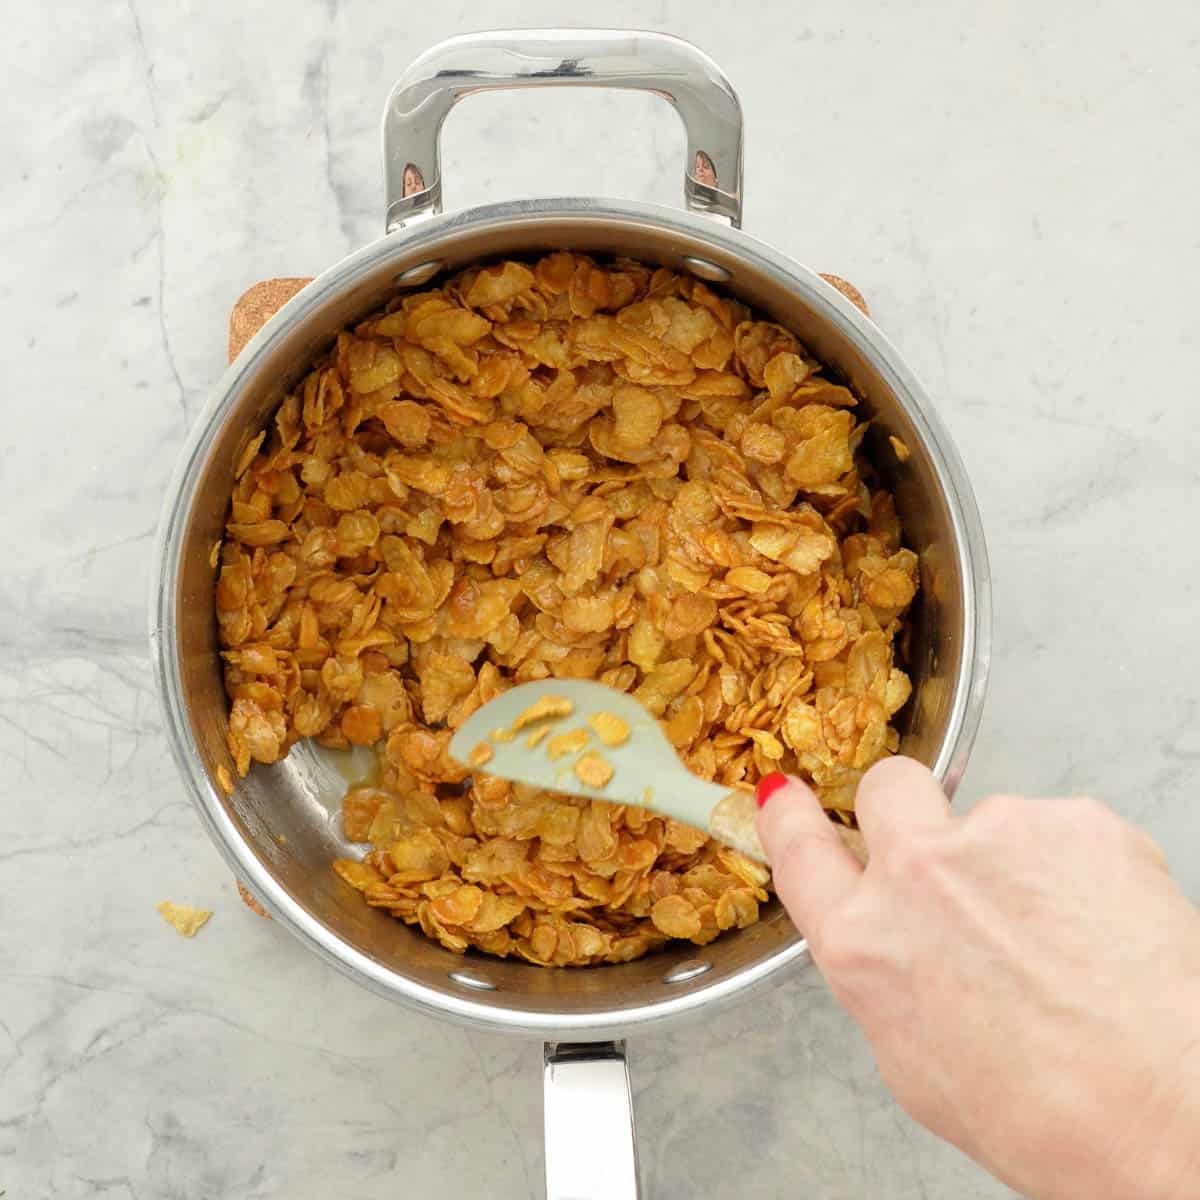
[186,921]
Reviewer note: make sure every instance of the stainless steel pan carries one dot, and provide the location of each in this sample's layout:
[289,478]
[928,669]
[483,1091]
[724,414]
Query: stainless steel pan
[279,829]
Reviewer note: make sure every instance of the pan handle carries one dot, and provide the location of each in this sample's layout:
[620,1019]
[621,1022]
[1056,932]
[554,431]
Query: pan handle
[517,58]
[591,1148]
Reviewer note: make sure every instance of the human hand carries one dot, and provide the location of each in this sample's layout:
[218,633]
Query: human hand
[1028,976]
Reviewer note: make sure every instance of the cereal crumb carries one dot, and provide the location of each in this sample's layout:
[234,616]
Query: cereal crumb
[502,735]
[536,736]
[225,779]
[610,729]
[481,754]
[185,920]
[903,453]
[594,770]
[563,744]
[250,902]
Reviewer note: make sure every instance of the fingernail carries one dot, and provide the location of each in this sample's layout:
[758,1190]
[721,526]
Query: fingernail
[768,785]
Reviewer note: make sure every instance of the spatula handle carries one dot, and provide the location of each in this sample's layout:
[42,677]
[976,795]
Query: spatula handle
[732,822]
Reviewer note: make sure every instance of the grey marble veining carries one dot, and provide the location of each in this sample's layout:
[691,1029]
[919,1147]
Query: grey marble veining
[1013,188]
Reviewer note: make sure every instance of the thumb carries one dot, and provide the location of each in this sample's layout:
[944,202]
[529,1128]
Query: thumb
[811,865]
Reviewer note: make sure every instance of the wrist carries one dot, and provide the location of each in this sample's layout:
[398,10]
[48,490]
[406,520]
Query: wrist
[1156,1140]
[1126,1129]
[1167,1165]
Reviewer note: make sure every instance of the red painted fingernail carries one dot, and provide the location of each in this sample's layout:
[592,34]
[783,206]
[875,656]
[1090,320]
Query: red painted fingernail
[768,785]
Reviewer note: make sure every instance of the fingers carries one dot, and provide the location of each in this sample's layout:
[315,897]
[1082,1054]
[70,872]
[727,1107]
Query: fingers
[811,866]
[896,795]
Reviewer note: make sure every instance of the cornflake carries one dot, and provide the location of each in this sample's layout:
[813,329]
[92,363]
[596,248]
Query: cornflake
[593,770]
[609,728]
[186,921]
[549,470]
[540,709]
[562,744]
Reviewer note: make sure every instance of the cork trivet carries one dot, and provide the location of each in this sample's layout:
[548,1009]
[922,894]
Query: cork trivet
[255,307]
[849,291]
[258,304]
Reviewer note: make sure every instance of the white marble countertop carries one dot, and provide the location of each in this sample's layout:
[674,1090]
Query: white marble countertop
[1013,187]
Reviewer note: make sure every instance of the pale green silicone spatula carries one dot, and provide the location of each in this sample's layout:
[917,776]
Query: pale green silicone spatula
[646,771]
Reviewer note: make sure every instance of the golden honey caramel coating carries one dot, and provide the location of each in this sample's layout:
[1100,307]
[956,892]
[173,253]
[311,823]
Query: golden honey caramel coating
[562,469]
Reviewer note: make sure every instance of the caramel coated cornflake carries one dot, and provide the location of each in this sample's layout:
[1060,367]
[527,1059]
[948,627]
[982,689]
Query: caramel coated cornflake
[593,770]
[563,744]
[249,901]
[185,920]
[541,709]
[562,469]
[677,917]
[609,728]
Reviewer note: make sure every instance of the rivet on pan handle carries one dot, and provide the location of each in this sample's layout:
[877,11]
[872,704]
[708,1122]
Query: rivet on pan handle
[608,58]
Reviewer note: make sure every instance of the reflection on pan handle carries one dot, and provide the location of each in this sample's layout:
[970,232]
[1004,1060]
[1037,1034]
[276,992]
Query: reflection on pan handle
[591,1148]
